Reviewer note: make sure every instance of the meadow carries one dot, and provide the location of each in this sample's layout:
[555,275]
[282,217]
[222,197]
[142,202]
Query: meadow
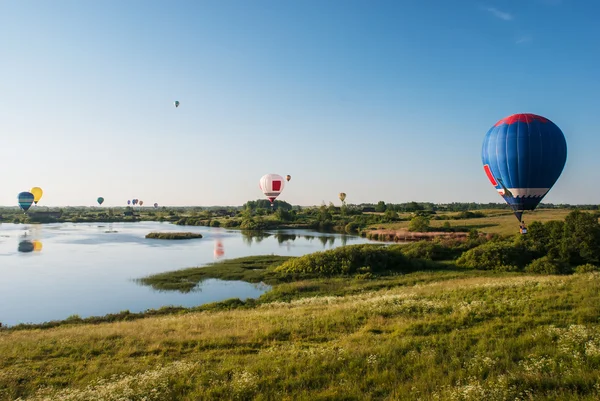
[420,336]
[494,221]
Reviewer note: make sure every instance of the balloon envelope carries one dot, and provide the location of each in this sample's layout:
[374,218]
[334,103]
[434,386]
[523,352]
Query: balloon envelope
[100,200]
[141,203]
[176,103]
[156,205]
[271,185]
[523,155]
[288,177]
[25,200]
[37,194]
[129,202]
[342,196]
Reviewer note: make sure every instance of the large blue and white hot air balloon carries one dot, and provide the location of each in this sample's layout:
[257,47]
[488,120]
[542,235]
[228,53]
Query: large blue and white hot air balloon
[523,155]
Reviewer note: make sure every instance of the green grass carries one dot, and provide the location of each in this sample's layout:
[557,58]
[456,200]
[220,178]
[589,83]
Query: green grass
[501,222]
[174,236]
[252,269]
[425,335]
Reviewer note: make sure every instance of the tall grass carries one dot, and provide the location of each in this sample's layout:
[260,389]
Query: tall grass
[450,336]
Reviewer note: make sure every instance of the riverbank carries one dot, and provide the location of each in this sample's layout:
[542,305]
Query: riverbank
[252,269]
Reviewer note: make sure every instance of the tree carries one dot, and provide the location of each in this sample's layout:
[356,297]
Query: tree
[413,207]
[391,215]
[380,208]
[419,224]
[581,238]
[283,215]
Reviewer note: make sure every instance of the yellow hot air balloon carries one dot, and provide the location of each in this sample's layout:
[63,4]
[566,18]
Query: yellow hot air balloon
[37,194]
[37,246]
[342,196]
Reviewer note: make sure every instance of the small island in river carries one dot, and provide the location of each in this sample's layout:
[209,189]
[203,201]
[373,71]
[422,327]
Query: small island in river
[175,235]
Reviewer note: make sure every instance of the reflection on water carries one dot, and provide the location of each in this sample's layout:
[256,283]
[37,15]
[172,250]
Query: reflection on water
[283,237]
[219,251]
[90,269]
[26,246]
[37,245]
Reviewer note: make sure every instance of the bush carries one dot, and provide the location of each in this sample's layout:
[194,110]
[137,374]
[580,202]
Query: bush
[251,224]
[419,224]
[427,250]
[495,256]
[215,223]
[352,227]
[447,227]
[587,268]
[231,223]
[352,259]
[546,265]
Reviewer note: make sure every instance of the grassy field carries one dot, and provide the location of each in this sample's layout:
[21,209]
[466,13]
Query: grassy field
[496,221]
[446,335]
[252,269]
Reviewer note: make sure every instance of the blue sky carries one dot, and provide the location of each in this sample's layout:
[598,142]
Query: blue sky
[383,100]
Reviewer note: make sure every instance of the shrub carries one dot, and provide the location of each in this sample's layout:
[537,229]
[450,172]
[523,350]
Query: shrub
[251,224]
[546,265]
[427,250]
[231,223]
[352,227]
[419,223]
[587,268]
[495,255]
[351,259]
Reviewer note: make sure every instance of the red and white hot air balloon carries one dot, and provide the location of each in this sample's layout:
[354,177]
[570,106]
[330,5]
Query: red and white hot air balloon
[271,185]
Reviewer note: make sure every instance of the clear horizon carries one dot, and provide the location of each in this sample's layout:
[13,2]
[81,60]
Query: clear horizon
[383,100]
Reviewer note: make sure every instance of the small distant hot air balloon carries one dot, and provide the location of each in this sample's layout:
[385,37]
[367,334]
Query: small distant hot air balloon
[156,205]
[523,155]
[37,194]
[176,103]
[141,203]
[129,202]
[25,200]
[100,200]
[342,196]
[288,177]
[271,185]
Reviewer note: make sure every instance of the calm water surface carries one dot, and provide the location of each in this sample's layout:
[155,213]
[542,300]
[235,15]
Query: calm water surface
[53,271]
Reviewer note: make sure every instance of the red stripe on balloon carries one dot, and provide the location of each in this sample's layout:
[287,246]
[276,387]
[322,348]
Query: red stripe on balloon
[490,176]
